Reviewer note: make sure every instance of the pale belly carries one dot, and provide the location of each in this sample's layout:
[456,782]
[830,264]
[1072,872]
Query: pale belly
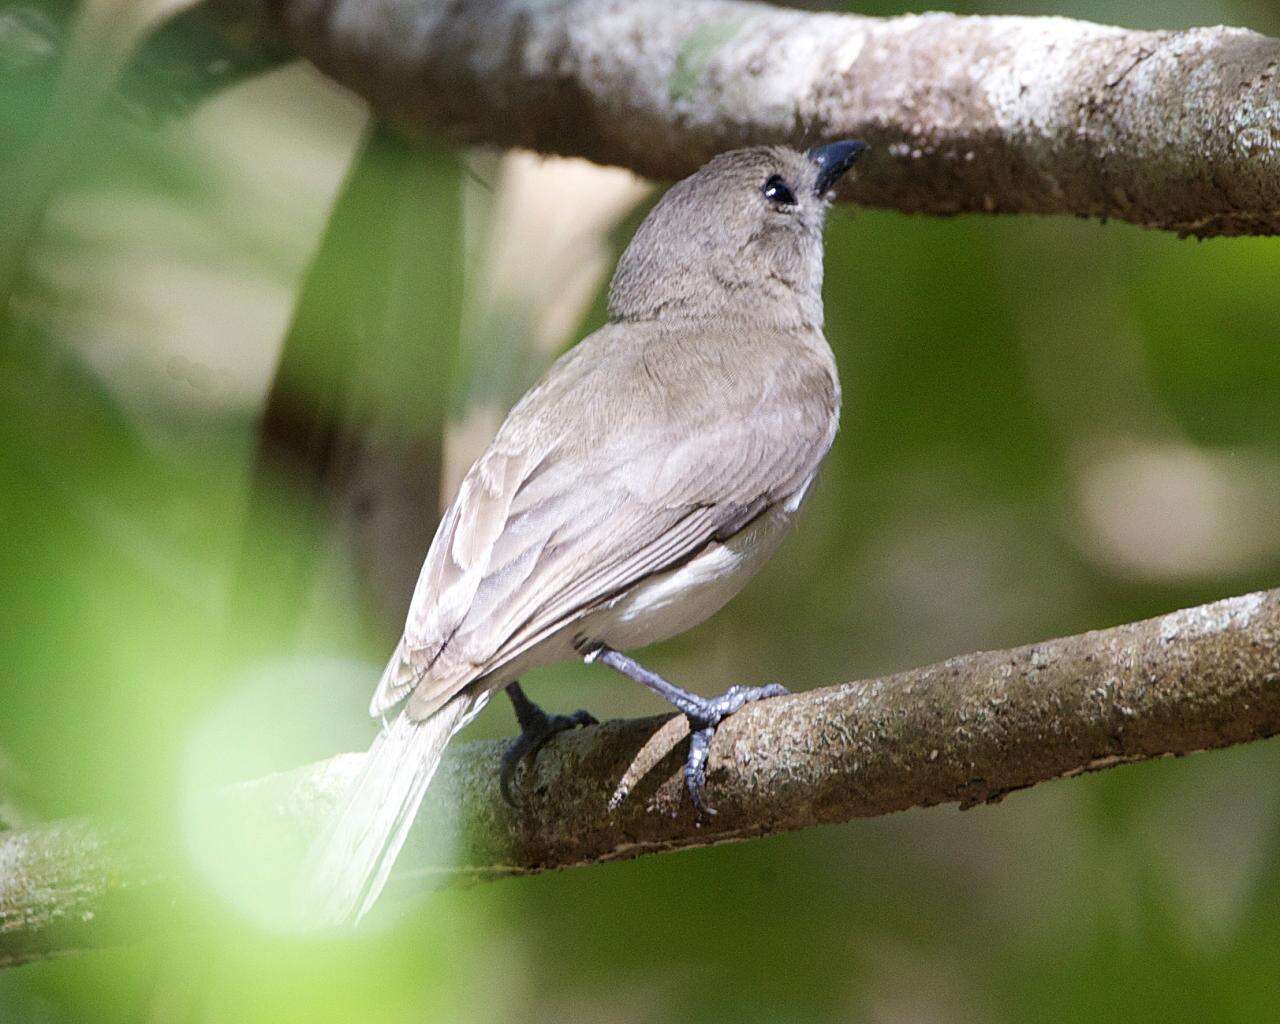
[672,602]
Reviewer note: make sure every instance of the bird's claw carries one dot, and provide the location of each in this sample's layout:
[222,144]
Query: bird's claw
[525,747]
[702,731]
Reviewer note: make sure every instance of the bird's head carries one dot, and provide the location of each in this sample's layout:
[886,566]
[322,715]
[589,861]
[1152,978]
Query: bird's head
[742,235]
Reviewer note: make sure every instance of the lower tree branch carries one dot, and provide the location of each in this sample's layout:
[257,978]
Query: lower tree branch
[969,730]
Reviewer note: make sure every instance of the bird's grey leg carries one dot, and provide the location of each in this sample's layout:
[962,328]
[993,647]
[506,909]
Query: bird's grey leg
[704,713]
[536,727]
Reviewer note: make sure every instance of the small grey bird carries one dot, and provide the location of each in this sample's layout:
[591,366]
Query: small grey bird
[626,498]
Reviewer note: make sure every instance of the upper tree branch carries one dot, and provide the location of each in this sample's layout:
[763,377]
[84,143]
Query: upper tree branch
[968,730]
[1177,130]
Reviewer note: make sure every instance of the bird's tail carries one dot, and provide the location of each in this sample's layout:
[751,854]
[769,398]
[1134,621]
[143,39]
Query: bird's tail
[351,859]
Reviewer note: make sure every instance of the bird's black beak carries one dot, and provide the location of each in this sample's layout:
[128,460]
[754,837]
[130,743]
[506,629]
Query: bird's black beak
[833,160]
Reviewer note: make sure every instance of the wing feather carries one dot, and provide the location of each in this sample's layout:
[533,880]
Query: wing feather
[617,474]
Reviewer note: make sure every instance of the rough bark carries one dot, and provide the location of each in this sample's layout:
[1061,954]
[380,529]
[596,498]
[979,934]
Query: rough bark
[1176,130]
[969,730]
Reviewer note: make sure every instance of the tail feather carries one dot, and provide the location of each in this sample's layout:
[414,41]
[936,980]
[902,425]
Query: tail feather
[350,862]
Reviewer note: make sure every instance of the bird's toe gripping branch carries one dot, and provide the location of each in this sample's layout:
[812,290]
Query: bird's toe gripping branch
[704,713]
[703,727]
[536,728]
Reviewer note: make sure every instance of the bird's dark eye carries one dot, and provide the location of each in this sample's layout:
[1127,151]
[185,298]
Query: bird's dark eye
[777,191]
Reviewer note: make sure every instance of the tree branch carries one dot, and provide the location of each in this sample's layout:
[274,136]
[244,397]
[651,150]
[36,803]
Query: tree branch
[969,730]
[1177,130]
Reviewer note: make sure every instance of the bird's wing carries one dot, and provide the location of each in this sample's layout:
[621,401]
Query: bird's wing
[632,463]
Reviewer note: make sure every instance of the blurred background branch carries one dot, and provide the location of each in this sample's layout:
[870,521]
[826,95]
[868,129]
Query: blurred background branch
[355,417]
[969,730]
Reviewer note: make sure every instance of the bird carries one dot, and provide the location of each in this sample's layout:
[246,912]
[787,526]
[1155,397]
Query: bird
[626,498]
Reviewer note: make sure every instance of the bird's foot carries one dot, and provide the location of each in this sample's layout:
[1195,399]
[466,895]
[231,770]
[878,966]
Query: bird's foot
[536,727]
[704,718]
[704,713]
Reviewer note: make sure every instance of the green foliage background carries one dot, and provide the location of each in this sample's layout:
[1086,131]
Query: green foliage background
[1050,426]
